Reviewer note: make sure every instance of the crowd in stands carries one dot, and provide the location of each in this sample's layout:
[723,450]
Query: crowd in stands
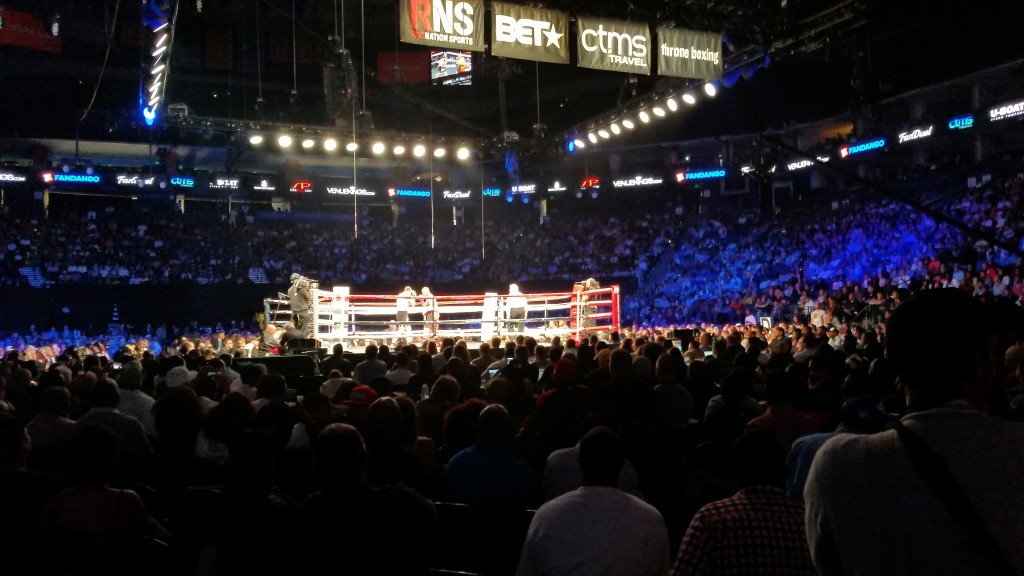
[717,266]
[158,248]
[784,264]
[672,452]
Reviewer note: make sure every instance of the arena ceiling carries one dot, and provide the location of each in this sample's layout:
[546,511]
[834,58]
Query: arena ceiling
[818,67]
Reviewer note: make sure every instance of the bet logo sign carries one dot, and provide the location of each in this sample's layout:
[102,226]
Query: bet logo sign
[525,31]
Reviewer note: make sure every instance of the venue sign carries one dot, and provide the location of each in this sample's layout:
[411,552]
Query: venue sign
[557,187]
[183,182]
[865,147]
[6,176]
[1008,110]
[51,177]
[264,185]
[614,45]
[916,134]
[301,187]
[529,33]
[689,53]
[409,192]
[225,183]
[350,191]
[523,189]
[690,175]
[637,181]
[961,122]
[457,24]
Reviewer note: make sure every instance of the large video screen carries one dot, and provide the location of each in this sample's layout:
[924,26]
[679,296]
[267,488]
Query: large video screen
[451,68]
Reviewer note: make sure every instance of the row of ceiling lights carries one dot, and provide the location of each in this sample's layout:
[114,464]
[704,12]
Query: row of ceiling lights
[379,148]
[616,127]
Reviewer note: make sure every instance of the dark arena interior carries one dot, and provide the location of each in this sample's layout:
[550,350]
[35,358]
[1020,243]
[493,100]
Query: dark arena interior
[488,288]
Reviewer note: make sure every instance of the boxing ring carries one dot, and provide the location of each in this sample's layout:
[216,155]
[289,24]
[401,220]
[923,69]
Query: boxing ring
[353,320]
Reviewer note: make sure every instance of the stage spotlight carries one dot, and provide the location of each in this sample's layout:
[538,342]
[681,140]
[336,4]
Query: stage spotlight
[603,133]
[592,137]
[615,128]
[579,143]
[659,111]
[398,150]
[351,146]
[645,117]
[308,143]
[463,153]
[330,144]
[525,199]
[579,193]
[689,99]
[256,139]
[508,197]
[593,194]
[628,124]
[419,150]
[378,148]
[439,152]
[672,104]
[284,141]
[710,89]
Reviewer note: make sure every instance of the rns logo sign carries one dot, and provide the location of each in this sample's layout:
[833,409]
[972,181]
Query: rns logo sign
[442,20]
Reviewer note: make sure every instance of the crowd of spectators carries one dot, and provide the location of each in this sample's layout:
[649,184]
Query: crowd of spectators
[655,444]
[750,265]
[717,266]
[137,248]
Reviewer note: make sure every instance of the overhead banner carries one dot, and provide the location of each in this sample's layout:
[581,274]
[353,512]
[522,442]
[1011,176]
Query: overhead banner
[443,23]
[529,33]
[614,45]
[689,53]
